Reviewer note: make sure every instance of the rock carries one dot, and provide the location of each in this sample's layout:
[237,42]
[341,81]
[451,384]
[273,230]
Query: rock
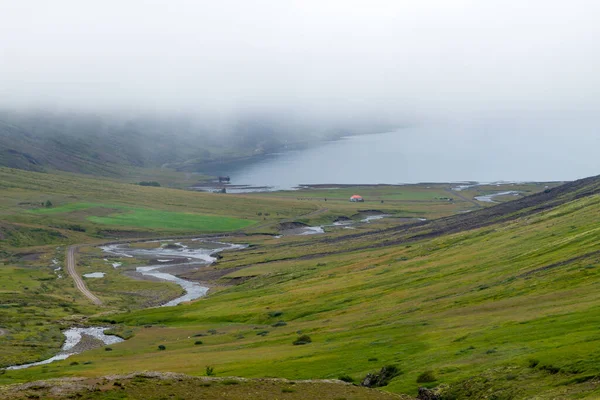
[430,394]
[385,375]
[291,225]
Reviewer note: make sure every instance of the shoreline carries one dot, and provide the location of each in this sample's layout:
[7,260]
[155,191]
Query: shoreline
[210,167]
[215,186]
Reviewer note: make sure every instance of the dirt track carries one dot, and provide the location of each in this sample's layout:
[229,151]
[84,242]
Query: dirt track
[79,283]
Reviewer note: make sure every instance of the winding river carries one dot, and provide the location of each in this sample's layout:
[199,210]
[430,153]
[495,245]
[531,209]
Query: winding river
[174,255]
[167,255]
[489,198]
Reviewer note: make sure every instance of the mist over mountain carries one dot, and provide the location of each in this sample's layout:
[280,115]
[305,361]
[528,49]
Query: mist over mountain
[100,143]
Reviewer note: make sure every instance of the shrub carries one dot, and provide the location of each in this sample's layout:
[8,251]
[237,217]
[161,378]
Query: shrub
[262,333]
[346,378]
[427,376]
[161,347]
[533,363]
[279,323]
[108,349]
[274,314]
[304,339]
[210,371]
[74,363]
[198,342]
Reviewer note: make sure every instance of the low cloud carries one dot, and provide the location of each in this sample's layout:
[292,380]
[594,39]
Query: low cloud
[326,59]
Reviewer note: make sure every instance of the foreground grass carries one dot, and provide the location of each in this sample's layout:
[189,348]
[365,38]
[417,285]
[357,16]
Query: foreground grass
[150,386]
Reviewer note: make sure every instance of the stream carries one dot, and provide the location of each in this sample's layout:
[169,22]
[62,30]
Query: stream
[73,337]
[490,197]
[173,255]
[170,256]
[346,224]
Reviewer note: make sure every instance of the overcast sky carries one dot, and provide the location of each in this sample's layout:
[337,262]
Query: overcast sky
[400,56]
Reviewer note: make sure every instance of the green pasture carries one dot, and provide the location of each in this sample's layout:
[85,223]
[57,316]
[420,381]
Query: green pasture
[146,218]
[173,220]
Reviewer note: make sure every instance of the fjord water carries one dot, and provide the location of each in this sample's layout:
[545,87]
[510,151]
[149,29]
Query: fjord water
[548,148]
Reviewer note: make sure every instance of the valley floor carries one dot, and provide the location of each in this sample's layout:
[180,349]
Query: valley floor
[497,302]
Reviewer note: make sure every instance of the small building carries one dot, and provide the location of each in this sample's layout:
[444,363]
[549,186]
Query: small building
[356,198]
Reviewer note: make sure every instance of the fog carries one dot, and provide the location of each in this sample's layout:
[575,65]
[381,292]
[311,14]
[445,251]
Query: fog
[390,60]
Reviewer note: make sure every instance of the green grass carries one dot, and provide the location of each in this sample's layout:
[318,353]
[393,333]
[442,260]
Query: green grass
[172,220]
[475,305]
[32,300]
[150,386]
[64,208]
[145,218]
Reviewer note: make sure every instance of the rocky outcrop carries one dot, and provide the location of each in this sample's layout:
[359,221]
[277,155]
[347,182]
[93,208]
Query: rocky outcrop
[431,394]
[382,378]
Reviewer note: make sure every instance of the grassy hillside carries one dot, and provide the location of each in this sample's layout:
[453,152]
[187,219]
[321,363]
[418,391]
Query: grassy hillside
[501,302]
[110,145]
[100,144]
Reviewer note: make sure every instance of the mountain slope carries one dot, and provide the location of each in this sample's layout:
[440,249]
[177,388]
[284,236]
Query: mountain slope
[100,144]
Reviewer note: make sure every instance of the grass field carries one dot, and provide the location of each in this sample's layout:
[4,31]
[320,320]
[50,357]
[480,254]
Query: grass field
[507,309]
[147,218]
[449,305]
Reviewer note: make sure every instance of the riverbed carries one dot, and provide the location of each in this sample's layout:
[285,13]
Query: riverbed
[168,256]
[72,344]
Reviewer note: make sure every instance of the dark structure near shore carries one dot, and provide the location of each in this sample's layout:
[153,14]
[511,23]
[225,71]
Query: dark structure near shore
[225,179]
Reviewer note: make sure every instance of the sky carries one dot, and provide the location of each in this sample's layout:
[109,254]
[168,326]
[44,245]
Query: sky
[325,57]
